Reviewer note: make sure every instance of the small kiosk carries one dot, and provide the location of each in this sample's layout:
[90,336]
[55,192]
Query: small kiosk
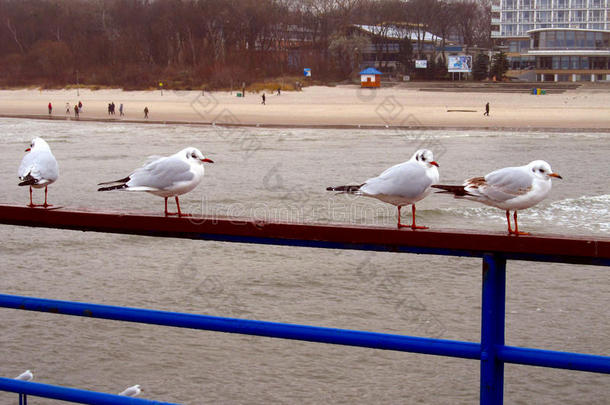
[370,77]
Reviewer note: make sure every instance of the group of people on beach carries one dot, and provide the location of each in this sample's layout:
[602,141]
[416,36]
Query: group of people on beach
[78,108]
[112,107]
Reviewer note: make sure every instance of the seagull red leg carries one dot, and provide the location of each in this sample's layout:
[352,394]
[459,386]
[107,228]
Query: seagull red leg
[399,224]
[517,227]
[510,230]
[45,198]
[413,226]
[180,214]
[31,205]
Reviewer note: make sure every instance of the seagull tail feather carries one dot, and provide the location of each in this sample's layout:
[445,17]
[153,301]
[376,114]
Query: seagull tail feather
[28,180]
[116,187]
[458,191]
[345,189]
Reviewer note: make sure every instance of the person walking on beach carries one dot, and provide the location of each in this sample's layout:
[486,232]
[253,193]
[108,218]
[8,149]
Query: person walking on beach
[68,108]
[263,102]
[279,91]
[80,107]
[50,108]
[146,112]
[75,110]
[486,109]
[121,110]
[109,108]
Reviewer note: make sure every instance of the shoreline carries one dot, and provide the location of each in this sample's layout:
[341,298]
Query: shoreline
[42,117]
[342,107]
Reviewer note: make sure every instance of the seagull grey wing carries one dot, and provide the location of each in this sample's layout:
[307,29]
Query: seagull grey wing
[505,184]
[406,180]
[161,174]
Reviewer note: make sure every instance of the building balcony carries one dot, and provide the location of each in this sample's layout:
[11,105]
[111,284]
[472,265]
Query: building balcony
[495,34]
[495,20]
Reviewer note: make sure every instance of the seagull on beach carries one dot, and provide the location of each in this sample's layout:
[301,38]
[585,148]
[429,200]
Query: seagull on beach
[510,188]
[132,391]
[25,376]
[38,169]
[403,184]
[166,177]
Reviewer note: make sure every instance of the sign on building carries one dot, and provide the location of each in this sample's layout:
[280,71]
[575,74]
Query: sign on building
[460,64]
[307,72]
[421,64]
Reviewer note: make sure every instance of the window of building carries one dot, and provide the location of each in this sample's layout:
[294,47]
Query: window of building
[560,39]
[560,16]
[578,15]
[596,3]
[570,39]
[565,62]
[590,39]
[579,3]
[541,4]
[510,4]
[556,65]
[580,39]
[545,62]
[551,39]
[584,62]
[574,62]
[599,63]
[596,15]
[561,3]
[526,3]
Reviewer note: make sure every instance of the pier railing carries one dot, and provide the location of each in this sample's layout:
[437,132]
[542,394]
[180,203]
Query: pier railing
[494,249]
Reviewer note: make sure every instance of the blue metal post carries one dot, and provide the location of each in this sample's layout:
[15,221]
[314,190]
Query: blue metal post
[492,329]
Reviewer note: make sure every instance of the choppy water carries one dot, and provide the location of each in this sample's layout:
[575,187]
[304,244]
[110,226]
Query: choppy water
[281,174]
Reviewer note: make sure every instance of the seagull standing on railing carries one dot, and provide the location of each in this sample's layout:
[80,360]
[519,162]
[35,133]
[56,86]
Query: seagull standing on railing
[38,168]
[132,391]
[169,176]
[510,188]
[403,184]
[25,376]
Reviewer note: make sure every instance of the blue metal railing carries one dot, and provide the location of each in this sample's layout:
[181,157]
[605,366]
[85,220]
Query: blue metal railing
[492,248]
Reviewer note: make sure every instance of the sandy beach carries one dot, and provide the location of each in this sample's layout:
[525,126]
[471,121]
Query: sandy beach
[585,108]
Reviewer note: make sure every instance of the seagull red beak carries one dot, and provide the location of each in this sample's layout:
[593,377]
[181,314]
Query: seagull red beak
[434,163]
[207,160]
[555,175]
[28,149]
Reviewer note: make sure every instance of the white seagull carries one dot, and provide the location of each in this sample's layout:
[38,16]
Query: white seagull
[403,184]
[132,391]
[38,169]
[510,188]
[25,376]
[169,176]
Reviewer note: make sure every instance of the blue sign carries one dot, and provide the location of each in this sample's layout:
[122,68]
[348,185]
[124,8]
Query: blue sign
[307,72]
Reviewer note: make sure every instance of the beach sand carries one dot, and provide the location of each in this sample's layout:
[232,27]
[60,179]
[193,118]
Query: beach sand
[583,109]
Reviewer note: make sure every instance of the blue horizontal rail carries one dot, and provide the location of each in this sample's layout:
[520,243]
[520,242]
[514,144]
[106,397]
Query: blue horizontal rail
[71,394]
[347,337]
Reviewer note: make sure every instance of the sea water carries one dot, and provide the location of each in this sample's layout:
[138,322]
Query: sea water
[282,174]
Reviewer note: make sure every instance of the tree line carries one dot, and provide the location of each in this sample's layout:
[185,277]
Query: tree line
[204,43]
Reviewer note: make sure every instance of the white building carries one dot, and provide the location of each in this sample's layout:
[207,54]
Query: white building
[514,18]
[518,25]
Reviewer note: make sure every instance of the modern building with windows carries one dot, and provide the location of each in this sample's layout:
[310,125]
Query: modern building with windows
[572,33]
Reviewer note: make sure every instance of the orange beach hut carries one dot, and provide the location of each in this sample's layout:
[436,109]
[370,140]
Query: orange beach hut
[370,77]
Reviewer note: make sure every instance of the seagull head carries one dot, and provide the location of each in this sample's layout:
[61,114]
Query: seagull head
[195,155]
[38,143]
[424,157]
[542,170]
